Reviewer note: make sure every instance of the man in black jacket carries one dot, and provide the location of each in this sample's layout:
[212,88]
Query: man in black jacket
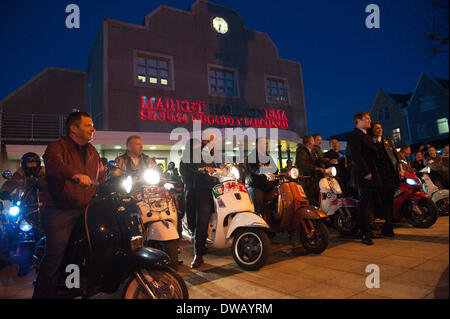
[308,166]
[365,173]
[260,173]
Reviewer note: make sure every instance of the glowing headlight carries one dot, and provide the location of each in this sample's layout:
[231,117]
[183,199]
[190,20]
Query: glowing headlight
[293,173]
[235,172]
[151,176]
[24,226]
[128,184]
[331,171]
[168,186]
[14,211]
[411,182]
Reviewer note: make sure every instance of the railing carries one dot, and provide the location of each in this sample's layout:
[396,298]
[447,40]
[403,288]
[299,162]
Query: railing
[31,127]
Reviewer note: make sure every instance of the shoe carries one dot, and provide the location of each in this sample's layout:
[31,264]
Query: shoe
[375,235]
[367,240]
[388,230]
[197,262]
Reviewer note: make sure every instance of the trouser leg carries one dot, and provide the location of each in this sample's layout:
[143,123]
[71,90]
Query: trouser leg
[365,206]
[58,225]
[205,207]
[190,208]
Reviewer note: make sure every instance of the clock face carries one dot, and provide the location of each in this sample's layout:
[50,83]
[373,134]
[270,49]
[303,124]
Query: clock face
[220,25]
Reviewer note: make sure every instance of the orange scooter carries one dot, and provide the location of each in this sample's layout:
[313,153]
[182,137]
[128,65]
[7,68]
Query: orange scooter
[287,209]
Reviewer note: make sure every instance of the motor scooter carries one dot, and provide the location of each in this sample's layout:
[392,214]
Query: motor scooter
[234,222]
[439,196]
[106,250]
[412,203]
[341,210]
[20,226]
[287,208]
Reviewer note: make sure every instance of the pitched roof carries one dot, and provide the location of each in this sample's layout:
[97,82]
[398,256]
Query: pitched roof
[401,99]
[442,82]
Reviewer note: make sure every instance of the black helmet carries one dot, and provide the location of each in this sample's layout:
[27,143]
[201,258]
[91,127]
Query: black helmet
[30,157]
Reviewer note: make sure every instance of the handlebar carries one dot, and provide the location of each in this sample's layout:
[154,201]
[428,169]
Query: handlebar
[77,181]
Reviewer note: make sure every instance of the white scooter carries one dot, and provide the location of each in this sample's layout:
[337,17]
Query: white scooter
[234,222]
[341,210]
[158,213]
[438,196]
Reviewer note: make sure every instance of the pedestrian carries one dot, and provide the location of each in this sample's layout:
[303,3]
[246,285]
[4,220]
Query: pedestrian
[388,162]
[308,166]
[418,163]
[134,160]
[317,153]
[365,172]
[68,159]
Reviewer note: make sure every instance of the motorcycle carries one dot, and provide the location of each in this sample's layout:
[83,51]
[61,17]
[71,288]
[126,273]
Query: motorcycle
[287,209]
[20,226]
[341,210]
[159,214]
[439,196]
[411,202]
[234,222]
[107,245]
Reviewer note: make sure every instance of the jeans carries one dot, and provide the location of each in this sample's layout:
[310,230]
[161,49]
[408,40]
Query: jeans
[58,225]
[257,196]
[205,207]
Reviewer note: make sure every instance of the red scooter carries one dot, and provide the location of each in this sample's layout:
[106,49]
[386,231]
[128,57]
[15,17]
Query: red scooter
[411,202]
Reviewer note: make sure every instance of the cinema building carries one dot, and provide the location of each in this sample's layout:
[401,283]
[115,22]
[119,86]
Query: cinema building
[181,66]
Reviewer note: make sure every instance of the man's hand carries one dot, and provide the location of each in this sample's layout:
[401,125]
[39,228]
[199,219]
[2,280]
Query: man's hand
[334,161]
[368,177]
[270,177]
[210,169]
[84,180]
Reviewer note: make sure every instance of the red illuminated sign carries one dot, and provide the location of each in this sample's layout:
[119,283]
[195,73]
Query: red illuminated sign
[185,111]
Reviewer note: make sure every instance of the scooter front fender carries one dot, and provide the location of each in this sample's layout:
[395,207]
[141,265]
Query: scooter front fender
[440,194]
[162,231]
[245,220]
[307,212]
[124,265]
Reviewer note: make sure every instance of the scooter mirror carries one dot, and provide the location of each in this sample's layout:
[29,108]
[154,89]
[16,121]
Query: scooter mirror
[7,174]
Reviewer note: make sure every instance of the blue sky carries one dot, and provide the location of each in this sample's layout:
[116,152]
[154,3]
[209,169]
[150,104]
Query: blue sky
[344,63]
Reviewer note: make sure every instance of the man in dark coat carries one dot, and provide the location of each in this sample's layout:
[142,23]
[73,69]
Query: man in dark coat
[307,166]
[367,179]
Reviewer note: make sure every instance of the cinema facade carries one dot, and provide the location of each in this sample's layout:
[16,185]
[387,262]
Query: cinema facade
[181,66]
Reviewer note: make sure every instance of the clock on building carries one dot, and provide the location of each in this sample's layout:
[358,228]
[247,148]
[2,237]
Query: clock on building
[220,25]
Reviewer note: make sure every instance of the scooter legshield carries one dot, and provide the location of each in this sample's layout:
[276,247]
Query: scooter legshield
[162,231]
[124,265]
[245,220]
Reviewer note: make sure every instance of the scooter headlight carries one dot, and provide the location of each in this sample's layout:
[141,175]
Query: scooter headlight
[411,182]
[235,172]
[14,211]
[294,173]
[128,184]
[168,186]
[24,226]
[151,176]
[331,171]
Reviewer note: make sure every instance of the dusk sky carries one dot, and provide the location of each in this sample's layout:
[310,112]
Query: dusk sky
[344,63]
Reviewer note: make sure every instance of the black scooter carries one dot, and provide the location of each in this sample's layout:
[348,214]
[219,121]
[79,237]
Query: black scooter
[107,247]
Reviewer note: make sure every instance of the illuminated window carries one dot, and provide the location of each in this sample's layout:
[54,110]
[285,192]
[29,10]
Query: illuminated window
[276,90]
[153,70]
[222,82]
[396,135]
[442,125]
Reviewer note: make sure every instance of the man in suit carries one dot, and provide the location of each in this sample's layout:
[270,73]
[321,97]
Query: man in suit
[367,179]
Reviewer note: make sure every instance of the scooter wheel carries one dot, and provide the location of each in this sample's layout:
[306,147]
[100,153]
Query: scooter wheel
[318,241]
[250,248]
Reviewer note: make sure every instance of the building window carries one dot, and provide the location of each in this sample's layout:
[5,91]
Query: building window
[380,115]
[276,90]
[428,103]
[396,135]
[422,131]
[154,70]
[442,125]
[223,82]
[386,113]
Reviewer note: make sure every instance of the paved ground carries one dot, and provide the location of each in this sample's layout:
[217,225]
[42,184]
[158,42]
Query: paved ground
[412,265]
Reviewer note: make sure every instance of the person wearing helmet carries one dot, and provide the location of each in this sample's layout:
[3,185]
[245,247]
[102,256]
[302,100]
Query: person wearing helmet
[30,167]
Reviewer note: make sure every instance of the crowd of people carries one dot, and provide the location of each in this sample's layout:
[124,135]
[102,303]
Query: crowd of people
[372,171]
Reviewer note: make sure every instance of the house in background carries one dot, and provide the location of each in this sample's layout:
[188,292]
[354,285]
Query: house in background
[428,112]
[388,109]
